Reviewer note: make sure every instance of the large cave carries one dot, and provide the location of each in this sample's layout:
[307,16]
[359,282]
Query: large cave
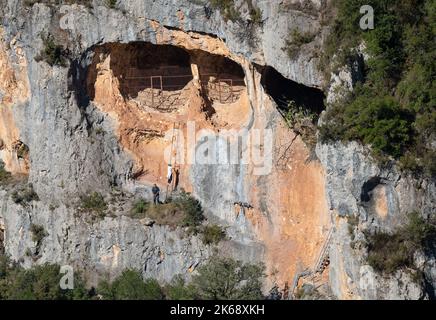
[283,90]
[221,78]
[151,89]
[156,75]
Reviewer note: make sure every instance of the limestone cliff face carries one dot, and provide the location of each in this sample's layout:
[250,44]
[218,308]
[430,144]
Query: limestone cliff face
[101,249]
[381,200]
[86,128]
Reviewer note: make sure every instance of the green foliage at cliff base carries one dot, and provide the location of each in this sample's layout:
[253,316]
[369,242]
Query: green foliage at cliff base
[219,278]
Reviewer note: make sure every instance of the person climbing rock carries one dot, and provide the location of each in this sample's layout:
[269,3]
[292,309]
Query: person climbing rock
[155,190]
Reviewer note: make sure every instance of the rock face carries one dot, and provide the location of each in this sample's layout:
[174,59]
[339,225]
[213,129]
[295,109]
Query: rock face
[86,128]
[102,248]
[381,200]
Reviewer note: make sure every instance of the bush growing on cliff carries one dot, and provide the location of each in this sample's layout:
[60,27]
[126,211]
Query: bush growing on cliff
[25,195]
[219,278]
[111,3]
[182,211]
[212,234]
[130,286]
[192,209]
[255,12]
[5,176]
[388,252]
[227,9]
[139,209]
[52,53]
[94,203]
[302,122]
[38,232]
[295,40]
[374,120]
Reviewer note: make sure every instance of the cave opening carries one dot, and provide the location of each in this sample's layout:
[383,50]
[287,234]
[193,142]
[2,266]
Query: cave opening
[159,75]
[161,67]
[140,65]
[368,187]
[283,90]
[152,75]
[222,79]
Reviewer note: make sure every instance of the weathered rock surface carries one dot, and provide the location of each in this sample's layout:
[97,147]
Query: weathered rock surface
[293,207]
[381,200]
[102,248]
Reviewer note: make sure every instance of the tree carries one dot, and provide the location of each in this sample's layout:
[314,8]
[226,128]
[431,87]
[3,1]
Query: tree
[393,105]
[380,122]
[38,283]
[130,286]
[178,289]
[225,278]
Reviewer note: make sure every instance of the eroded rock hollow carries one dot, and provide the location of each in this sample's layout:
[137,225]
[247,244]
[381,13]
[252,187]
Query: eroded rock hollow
[149,90]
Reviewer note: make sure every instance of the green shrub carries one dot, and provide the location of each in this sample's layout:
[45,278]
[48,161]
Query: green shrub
[390,252]
[256,15]
[178,289]
[295,40]
[38,283]
[53,53]
[226,8]
[192,209]
[111,3]
[25,195]
[182,211]
[255,12]
[302,122]
[139,209]
[5,176]
[375,120]
[99,131]
[379,122]
[94,203]
[353,222]
[419,160]
[130,286]
[225,278]
[229,11]
[212,234]
[38,233]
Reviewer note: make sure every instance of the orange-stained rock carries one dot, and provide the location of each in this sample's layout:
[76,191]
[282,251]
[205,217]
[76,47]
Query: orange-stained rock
[289,212]
[144,131]
[298,217]
[14,89]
